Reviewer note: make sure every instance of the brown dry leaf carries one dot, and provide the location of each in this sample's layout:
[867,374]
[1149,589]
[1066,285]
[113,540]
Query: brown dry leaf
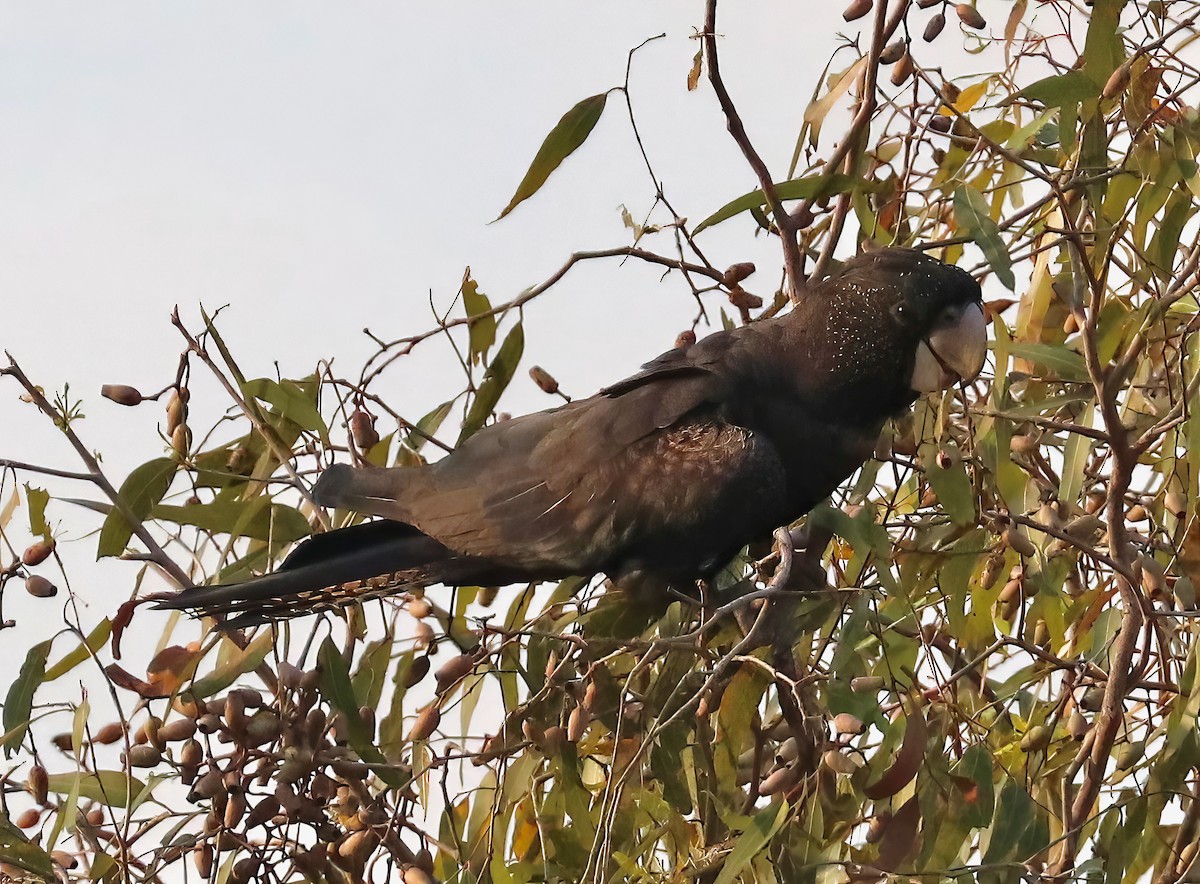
[170,668]
[899,839]
[130,682]
[693,79]
[907,761]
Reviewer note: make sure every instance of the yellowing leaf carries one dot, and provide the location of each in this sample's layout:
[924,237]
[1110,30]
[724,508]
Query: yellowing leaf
[970,96]
[110,787]
[816,112]
[693,77]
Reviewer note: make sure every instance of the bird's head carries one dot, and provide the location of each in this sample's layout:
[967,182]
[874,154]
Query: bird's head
[897,323]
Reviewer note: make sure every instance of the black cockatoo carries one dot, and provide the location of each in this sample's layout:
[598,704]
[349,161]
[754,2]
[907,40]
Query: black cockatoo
[658,480]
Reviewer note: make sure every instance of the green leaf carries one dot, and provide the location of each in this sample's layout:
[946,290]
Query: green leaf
[241,661]
[428,425]
[1076,454]
[372,669]
[19,851]
[110,787]
[338,689]
[495,381]
[18,705]
[1067,89]
[762,828]
[292,401]
[1166,240]
[391,727]
[812,187]
[976,763]
[37,498]
[1103,49]
[94,642]
[971,214]
[239,518]
[483,323]
[567,135]
[144,487]
[952,485]
[1017,830]
[1066,364]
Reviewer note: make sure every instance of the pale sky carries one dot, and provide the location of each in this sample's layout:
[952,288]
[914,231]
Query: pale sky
[321,167]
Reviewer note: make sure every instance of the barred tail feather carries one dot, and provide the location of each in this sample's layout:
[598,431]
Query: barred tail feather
[328,570]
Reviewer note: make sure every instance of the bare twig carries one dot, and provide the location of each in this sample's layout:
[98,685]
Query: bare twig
[96,476]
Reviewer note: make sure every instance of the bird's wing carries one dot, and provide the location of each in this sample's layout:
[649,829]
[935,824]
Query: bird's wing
[561,490]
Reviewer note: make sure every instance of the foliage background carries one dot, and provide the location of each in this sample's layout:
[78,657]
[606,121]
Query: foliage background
[999,680]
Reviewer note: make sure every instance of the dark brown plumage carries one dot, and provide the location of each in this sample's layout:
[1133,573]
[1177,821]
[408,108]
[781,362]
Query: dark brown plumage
[659,479]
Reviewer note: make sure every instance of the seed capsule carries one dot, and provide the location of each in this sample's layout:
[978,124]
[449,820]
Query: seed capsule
[577,724]
[1077,725]
[39,587]
[903,69]
[845,723]
[934,27]
[839,762]
[454,669]
[1036,738]
[143,756]
[1154,578]
[37,553]
[181,440]
[857,9]
[970,16]
[1130,754]
[779,780]
[893,52]
[425,724]
[417,671]
[1023,444]
[176,414]
[263,812]
[1018,542]
[423,637]
[38,784]
[122,394]
[545,381]
[203,857]
[190,757]
[735,273]
[1176,504]
[176,731]
[362,430]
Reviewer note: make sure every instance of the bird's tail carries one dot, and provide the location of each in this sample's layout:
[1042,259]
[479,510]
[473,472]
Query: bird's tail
[328,570]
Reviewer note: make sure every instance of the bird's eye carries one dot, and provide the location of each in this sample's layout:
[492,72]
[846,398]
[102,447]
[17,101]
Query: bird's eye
[901,311]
